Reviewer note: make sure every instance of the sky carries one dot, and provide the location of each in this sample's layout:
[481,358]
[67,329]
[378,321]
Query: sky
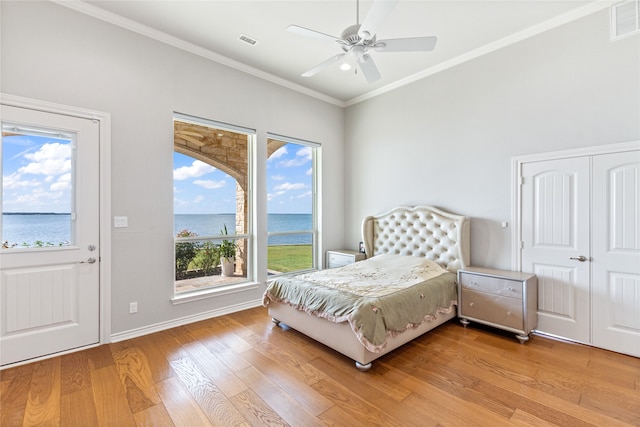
[36,177]
[36,174]
[201,188]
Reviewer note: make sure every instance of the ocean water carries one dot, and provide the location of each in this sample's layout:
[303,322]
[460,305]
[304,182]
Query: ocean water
[56,228]
[212,224]
[26,230]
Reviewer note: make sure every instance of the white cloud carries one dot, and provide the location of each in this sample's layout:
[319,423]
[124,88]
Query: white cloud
[198,199]
[271,196]
[209,184]
[197,169]
[283,188]
[50,159]
[303,156]
[14,181]
[37,200]
[277,177]
[179,202]
[304,195]
[63,183]
[289,186]
[279,153]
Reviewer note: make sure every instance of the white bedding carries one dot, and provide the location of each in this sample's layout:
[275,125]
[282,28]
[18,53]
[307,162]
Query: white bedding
[377,276]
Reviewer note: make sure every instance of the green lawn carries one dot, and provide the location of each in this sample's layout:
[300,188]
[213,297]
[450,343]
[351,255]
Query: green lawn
[285,258]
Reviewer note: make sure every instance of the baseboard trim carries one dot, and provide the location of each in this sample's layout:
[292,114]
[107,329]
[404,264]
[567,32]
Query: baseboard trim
[138,332]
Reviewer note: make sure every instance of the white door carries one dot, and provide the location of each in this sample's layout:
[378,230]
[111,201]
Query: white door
[49,282]
[616,252]
[555,239]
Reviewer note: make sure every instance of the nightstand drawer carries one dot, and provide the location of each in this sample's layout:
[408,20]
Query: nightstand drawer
[338,260]
[342,257]
[491,285]
[492,308]
[498,298]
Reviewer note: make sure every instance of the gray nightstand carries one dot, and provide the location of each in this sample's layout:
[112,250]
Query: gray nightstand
[503,299]
[341,257]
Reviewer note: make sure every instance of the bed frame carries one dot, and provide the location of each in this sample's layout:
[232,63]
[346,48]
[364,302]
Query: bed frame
[421,231]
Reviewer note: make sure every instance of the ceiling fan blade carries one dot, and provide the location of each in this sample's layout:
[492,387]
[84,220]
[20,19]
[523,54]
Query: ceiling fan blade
[412,44]
[376,16]
[323,65]
[311,33]
[369,69]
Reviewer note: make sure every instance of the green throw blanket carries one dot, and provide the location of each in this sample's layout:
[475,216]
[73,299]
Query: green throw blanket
[379,297]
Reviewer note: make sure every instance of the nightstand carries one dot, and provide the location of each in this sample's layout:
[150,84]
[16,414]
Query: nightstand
[503,299]
[339,258]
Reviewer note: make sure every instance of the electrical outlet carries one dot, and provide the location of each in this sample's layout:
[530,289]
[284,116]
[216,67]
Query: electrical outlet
[133,307]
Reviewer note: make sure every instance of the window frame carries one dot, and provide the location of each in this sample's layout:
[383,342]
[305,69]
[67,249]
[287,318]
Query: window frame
[249,280]
[69,137]
[316,244]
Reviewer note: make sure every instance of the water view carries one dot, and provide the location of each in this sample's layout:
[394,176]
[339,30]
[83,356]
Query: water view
[48,229]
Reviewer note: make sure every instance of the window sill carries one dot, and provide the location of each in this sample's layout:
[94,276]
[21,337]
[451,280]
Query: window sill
[213,292]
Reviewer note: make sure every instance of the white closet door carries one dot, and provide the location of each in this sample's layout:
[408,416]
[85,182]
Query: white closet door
[616,252]
[555,237]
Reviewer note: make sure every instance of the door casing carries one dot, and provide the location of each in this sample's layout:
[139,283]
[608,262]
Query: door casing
[517,200]
[104,120]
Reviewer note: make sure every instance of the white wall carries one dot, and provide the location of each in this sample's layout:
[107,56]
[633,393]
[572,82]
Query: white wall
[448,140]
[52,53]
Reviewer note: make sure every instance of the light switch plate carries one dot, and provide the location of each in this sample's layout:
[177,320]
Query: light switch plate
[120,221]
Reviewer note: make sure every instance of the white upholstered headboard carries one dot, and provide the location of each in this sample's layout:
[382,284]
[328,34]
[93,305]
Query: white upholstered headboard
[421,231]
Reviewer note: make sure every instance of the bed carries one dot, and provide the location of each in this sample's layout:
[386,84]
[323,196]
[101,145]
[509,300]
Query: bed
[411,250]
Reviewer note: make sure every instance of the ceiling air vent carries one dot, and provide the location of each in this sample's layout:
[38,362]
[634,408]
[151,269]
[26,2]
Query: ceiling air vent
[625,19]
[247,39]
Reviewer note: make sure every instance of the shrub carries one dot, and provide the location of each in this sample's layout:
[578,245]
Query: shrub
[207,258]
[185,252]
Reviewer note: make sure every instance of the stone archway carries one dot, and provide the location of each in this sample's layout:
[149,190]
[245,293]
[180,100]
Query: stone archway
[228,152]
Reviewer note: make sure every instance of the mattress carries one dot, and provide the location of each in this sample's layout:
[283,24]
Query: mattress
[379,297]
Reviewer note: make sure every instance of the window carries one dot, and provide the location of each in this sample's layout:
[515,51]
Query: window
[212,226]
[37,188]
[291,204]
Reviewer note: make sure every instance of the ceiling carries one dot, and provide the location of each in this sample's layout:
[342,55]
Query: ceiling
[465,29]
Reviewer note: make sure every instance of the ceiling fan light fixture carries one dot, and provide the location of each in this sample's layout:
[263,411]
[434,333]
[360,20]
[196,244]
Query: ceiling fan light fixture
[359,40]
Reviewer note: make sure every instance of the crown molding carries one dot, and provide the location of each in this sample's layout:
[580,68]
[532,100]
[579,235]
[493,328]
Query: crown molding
[557,21]
[136,27]
[96,12]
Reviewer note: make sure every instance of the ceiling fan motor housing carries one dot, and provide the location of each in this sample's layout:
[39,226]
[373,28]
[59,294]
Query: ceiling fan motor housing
[350,35]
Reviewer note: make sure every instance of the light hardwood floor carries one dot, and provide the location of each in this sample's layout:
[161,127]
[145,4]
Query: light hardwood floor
[241,369]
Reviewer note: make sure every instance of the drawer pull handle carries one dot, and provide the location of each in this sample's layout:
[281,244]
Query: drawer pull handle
[508,313]
[510,289]
[471,304]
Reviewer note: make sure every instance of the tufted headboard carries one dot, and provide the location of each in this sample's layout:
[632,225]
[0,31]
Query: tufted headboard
[421,231]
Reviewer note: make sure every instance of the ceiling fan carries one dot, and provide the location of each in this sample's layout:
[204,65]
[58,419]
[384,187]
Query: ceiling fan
[359,39]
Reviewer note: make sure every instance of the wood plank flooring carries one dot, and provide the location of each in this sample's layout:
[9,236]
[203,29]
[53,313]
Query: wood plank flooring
[243,370]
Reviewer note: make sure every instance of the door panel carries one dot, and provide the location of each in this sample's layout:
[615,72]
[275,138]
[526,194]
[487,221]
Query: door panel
[49,294]
[555,229]
[616,252]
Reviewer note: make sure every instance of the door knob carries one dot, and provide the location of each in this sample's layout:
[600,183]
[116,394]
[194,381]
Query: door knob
[580,258]
[89,261]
